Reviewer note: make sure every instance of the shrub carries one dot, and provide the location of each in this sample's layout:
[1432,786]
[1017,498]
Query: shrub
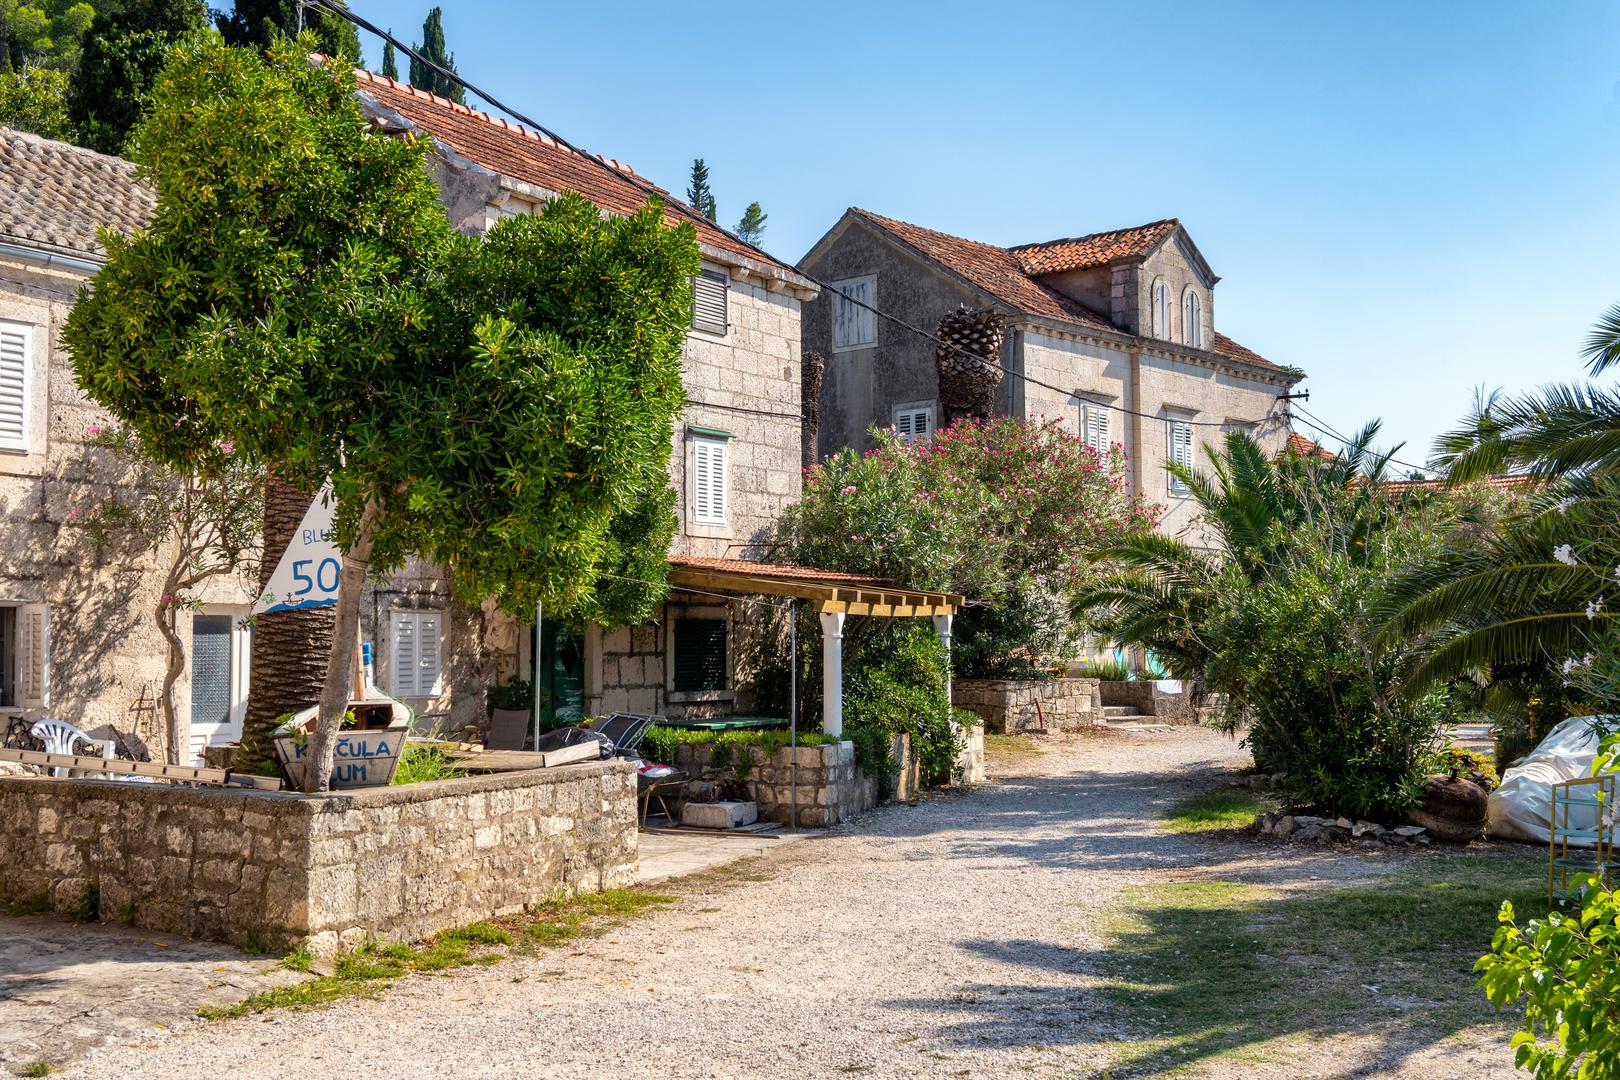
[895,685]
[420,764]
[1565,969]
[731,748]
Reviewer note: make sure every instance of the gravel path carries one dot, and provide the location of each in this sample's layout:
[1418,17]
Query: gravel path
[954,938]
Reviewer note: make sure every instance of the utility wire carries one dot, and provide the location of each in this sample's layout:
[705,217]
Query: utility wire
[1321,428]
[686,211]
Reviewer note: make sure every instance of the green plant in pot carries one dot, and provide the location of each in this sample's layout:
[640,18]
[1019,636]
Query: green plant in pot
[510,709]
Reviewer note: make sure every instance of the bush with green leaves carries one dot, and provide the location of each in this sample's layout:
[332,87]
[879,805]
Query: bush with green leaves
[894,684]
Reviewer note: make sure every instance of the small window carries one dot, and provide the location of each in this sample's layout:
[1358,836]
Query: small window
[854,325]
[700,655]
[1180,453]
[914,421]
[16,386]
[1161,310]
[710,291]
[709,492]
[25,656]
[211,696]
[1094,425]
[416,654]
[1192,316]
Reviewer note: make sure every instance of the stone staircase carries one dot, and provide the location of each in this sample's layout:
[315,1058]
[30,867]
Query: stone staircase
[1129,718]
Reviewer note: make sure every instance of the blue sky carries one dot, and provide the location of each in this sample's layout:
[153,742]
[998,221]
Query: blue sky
[1405,200]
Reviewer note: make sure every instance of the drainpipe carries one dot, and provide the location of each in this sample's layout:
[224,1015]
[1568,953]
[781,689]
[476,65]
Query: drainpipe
[50,260]
[1135,420]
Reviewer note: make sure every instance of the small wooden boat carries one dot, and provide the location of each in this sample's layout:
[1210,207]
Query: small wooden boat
[368,750]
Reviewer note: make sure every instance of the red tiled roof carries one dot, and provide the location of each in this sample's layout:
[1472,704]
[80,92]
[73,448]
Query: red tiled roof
[1305,446]
[1499,483]
[990,268]
[778,570]
[514,151]
[1098,249]
[999,272]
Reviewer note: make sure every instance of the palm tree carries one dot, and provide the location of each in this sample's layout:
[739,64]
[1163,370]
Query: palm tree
[1160,590]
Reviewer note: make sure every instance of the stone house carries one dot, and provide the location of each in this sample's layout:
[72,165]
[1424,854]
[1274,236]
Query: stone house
[1113,334]
[77,640]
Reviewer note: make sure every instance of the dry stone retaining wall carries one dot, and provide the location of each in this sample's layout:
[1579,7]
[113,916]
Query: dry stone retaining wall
[1012,705]
[832,788]
[278,868]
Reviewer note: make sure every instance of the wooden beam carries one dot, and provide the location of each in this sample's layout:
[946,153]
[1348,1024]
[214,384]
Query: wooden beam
[823,593]
[187,773]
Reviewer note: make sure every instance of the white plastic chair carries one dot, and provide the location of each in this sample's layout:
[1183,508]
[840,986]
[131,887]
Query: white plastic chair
[60,737]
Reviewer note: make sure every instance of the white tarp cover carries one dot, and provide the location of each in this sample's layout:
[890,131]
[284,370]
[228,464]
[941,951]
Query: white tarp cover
[1521,808]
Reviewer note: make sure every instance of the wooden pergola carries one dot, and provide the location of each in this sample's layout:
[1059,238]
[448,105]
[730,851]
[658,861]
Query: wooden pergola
[834,596]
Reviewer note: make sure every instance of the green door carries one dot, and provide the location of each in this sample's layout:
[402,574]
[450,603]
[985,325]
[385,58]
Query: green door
[562,676]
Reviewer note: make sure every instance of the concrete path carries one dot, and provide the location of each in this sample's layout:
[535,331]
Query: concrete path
[960,937]
[67,988]
[666,855]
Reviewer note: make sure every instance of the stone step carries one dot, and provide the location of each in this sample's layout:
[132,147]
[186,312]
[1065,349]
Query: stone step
[1120,712]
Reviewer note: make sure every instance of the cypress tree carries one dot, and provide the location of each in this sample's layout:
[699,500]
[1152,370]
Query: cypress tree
[124,50]
[698,195]
[390,64]
[433,49]
[752,226]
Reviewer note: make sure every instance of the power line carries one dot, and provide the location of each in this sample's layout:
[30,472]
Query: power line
[681,208]
[1321,428]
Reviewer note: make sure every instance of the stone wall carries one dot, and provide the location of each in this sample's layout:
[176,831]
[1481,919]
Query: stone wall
[278,868]
[1011,705]
[831,786]
[1164,699]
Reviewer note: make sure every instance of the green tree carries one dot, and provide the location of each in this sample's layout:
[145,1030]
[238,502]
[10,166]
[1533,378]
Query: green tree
[433,50]
[43,33]
[698,195]
[501,408]
[124,50]
[390,63]
[257,23]
[36,100]
[751,228]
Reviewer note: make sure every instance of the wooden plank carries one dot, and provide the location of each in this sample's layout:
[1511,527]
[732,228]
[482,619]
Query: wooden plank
[156,770]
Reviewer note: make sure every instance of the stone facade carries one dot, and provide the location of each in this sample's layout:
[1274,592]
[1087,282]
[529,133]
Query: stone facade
[1095,345]
[1011,705]
[101,661]
[276,868]
[832,788]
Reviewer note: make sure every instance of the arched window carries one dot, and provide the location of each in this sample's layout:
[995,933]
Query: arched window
[1161,310]
[1192,319]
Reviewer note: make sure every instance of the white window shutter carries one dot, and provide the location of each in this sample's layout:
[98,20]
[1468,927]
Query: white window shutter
[15,384]
[34,655]
[1096,427]
[902,424]
[405,655]
[709,481]
[428,669]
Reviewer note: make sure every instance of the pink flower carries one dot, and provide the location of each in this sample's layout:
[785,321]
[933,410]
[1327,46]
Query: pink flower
[226,446]
[73,514]
[850,490]
[92,430]
[167,598]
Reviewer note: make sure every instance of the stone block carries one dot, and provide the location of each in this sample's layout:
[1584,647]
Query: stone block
[719,815]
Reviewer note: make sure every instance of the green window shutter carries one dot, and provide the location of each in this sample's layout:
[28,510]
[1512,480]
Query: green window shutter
[700,655]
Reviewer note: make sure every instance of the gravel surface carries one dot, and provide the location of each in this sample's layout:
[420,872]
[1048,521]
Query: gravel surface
[954,938]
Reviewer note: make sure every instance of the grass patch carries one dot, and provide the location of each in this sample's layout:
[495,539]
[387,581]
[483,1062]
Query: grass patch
[1010,744]
[368,969]
[38,1067]
[1219,969]
[419,764]
[1224,808]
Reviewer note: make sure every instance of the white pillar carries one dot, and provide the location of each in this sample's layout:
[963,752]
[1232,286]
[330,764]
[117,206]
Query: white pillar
[832,672]
[942,626]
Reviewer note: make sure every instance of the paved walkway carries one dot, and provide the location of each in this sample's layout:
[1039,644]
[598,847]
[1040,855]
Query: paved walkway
[960,937]
[667,854]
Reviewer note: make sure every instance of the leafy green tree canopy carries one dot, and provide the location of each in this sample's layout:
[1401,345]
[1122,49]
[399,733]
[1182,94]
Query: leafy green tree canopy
[751,228]
[42,33]
[698,195]
[35,100]
[501,408]
[260,22]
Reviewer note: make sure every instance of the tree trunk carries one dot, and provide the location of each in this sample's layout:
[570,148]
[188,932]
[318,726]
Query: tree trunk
[175,667]
[340,668]
[290,648]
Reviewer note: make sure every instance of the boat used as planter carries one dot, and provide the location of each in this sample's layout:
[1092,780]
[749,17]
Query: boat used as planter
[367,752]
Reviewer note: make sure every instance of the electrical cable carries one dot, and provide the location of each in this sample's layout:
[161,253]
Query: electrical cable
[1321,427]
[692,215]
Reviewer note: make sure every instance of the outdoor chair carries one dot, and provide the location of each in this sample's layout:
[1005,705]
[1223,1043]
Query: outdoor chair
[654,780]
[60,737]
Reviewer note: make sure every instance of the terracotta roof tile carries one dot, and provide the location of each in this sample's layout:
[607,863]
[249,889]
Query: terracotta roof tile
[1097,249]
[990,268]
[1227,347]
[1499,483]
[1305,446]
[514,151]
[53,195]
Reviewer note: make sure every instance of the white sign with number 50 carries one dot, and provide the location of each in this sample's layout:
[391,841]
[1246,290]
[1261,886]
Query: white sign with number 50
[307,575]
